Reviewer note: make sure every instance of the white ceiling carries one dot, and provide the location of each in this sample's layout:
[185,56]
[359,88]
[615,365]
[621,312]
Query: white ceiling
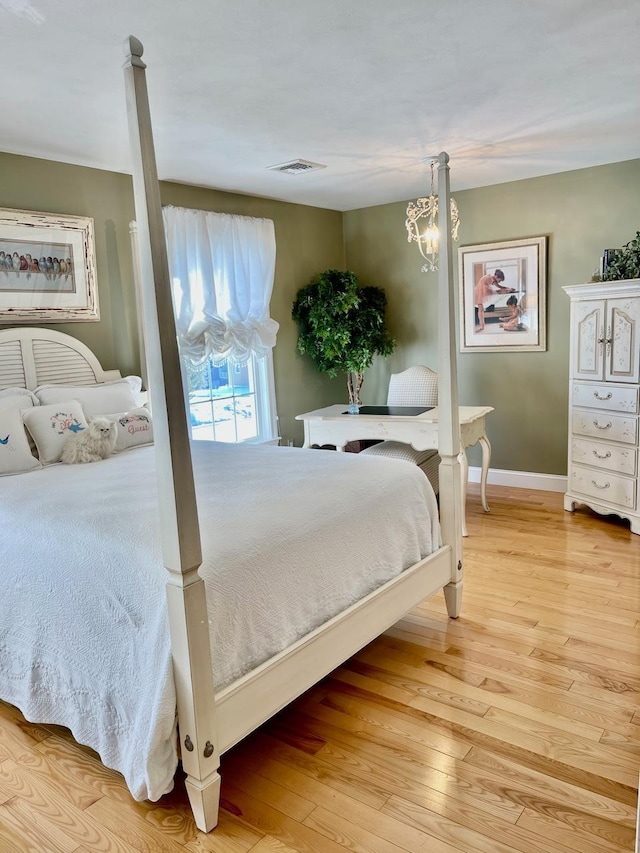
[510,88]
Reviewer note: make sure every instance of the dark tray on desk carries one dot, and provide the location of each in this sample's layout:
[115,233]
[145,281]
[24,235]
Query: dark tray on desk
[399,411]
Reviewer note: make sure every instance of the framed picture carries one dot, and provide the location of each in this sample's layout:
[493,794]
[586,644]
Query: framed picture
[47,268]
[502,296]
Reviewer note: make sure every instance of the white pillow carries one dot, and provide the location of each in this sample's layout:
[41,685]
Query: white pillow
[15,453]
[118,396]
[16,399]
[51,425]
[134,428]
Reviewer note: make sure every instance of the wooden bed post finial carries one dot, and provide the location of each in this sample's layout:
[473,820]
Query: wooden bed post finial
[133,50]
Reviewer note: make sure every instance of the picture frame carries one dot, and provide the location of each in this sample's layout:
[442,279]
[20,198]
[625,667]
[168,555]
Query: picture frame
[47,268]
[503,296]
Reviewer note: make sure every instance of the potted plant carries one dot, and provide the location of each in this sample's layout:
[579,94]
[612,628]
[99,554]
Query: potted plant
[342,326]
[625,262]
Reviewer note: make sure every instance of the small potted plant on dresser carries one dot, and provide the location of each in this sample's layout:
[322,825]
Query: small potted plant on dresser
[604,392]
[622,264]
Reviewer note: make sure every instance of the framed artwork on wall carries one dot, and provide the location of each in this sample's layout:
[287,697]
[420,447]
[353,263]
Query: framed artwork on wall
[502,296]
[47,268]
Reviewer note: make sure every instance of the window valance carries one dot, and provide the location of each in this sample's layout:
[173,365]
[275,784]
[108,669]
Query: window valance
[222,268]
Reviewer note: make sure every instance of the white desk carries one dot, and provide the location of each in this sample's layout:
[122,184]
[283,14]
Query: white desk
[332,426]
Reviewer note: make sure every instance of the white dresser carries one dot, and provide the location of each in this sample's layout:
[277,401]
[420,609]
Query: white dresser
[604,399]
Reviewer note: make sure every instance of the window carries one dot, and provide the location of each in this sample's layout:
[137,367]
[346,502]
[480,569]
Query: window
[222,269]
[232,402]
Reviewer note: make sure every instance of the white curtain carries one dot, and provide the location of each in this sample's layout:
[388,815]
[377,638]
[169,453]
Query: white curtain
[222,270]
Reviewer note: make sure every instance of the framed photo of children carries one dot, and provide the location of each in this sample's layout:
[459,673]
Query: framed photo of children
[502,296]
[47,268]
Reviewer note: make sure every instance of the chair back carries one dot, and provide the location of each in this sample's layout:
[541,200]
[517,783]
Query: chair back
[416,386]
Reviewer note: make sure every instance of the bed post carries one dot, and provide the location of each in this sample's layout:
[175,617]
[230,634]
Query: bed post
[180,534]
[448,421]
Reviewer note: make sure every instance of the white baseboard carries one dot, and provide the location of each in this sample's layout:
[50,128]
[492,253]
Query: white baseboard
[521,479]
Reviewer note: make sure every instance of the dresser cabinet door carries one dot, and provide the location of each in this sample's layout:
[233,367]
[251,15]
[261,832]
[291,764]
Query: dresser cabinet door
[622,362]
[587,339]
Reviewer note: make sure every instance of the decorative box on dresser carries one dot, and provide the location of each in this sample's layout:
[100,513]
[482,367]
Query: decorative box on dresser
[604,399]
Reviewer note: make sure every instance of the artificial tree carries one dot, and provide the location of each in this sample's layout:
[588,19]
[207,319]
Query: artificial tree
[341,326]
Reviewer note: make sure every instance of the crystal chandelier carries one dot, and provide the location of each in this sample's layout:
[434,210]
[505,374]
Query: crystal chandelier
[427,209]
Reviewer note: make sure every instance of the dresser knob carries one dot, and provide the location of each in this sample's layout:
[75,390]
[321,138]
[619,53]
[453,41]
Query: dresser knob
[606,397]
[602,455]
[598,486]
[599,426]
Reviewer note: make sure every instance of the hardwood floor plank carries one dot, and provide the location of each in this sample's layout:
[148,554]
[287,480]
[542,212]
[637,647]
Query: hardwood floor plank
[441,689]
[458,782]
[576,757]
[310,774]
[269,844]
[270,821]
[573,828]
[231,835]
[356,838]
[629,654]
[470,829]
[242,775]
[82,768]
[539,703]
[22,829]
[79,794]
[615,680]
[522,781]
[466,626]
[52,807]
[135,831]
[17,737]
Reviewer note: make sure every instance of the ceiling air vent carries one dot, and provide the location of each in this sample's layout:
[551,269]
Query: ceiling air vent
[297,167]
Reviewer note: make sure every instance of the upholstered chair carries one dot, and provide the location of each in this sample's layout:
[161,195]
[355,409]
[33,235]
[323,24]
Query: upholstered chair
[416,386]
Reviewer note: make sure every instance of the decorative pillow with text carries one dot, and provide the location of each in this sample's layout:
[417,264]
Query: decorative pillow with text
[135,428]
[50,427]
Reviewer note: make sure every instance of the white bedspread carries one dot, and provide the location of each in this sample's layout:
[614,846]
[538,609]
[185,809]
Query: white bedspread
[290,538]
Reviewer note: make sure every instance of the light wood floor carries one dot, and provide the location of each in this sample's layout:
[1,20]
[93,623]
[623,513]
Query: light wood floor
[515,728]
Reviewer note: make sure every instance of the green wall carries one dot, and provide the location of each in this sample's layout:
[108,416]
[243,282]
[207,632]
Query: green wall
[581,212]
[308,240]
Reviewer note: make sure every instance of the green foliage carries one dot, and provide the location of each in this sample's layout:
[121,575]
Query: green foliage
[625,262]
[341,325]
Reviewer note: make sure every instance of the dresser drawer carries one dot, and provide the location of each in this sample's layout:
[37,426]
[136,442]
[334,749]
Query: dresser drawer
[605,426]
[600,396]
[598,454]
[604,486]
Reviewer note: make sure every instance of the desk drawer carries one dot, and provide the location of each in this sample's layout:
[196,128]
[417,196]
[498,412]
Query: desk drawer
[604,486]
[605,426]
[609,457]
[599,396]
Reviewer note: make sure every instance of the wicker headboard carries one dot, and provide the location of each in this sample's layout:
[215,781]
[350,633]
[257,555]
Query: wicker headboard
[30,357]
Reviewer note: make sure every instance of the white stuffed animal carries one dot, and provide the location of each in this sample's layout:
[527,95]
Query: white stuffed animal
[94,443]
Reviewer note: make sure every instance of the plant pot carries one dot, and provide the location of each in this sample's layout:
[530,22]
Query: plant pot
[354,384]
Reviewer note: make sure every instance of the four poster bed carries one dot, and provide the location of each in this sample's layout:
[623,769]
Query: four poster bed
[255,613]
